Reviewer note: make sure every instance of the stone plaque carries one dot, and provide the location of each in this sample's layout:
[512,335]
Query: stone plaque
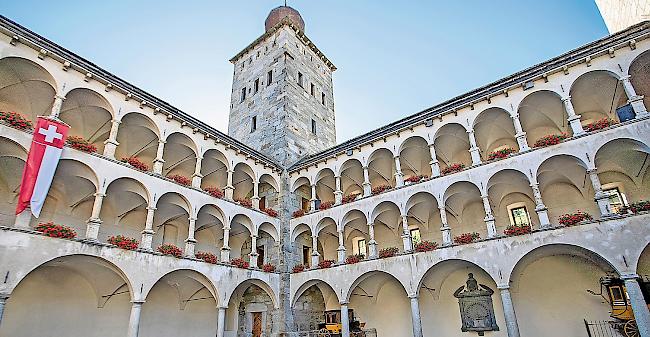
[476,309]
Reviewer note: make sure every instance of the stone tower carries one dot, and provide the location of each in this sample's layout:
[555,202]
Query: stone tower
[282,101]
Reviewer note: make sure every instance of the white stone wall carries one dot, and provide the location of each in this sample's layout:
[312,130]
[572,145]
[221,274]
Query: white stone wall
[620,14]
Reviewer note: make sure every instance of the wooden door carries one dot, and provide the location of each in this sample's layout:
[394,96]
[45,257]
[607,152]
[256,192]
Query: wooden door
[257,324]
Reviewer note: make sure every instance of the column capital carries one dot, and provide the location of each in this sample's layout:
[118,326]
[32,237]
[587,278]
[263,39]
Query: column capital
[413,296]
[626,277]
[592,170]
[222,307]
[566,98]
[191,218]
[4,296]
[116,121]
[503,287]
[151,208]
[161,141]
[345,303]
[138,302]
[100,194]
[626,77]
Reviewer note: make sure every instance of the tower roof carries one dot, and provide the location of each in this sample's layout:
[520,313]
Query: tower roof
[277,14]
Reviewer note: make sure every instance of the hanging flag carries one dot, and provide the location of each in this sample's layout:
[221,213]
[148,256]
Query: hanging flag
[47,145]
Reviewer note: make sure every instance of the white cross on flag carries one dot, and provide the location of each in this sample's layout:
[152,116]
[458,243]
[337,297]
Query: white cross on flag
[47,145]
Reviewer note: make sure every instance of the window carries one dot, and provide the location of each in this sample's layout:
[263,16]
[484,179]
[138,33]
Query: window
[415,236]
[257,85]
[616,199]
[306,252]
[322,98]
[243,94]
[313,126]
[520,216]
[300,79]
[360,247]
[254,123]
[269,77]
[312,89]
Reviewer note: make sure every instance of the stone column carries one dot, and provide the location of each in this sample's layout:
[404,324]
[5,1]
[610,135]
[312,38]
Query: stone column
[229,190]
[520,134]
[446,231]
[338,194]
[197,176]
[134,319]
[221,321]
[599,196]
[225,250]
[147,233]
[574,120]
[56,106]
[255,199]
[540,208]
[473,148]
[314,252]
[406,234]
[111,143]
[312,201]
[415,315]
[3,302]
[636,101]
[341,253]
[399,176]
[345,320]
[92,226]
[159,161]
[23,219]
[509,311]
[367,187]
[435,166]
[190,243]
[253,255]
[372,244]
[489,218]
[639,307]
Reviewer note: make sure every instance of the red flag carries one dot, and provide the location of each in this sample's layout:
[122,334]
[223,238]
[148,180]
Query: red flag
[44,154]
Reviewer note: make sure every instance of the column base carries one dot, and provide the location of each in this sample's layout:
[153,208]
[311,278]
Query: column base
[147,240]
[367,189]
[372,249]
[225,254]
[256,202]
[196,180]
[341,254]
[399,180]
[338,197]
[603,206]
[576,127]
[190,245]
[542,214]
[446,236]
[24,219]
[92,229]
[109,148]
[314,261]
[491,228]
[476,156]
[228,192]
[435,168]
[406,240]
[158,166]
[522,142]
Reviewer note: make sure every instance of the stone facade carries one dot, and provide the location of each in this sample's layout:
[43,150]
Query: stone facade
[620,14]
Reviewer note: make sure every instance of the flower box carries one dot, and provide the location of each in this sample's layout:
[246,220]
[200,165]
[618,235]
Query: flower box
[352,259]
[416,179]
[169,249]
[571,219]
[56,231]
[78,143]
[268,267]
[239,263]
[298,268]
[124,242]
[298,213]
[270,212]
[325,264]
[549,140]
[599,124]
[207,257]
[350,198]
[514,230]
[214,191]
[388,252]
[501,154]
[244,202]
[639,206]
[135,162]
[15,120]
[325,205]
[380,189]
[453,168]
[181,180]
[466,238]
[425,246]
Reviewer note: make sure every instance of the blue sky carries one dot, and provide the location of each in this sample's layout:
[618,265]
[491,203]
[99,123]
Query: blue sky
[394,58]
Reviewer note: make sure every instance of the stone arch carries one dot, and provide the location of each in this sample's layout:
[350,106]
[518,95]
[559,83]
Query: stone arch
[325,185]
[423,214]
[451,143]
[241,229]
[179,155]
[89,115]
[124,208]
[251,295]
[26,88]
[12,163]
[355,228]
[464,207]
[542,113]
[415,157]
[318,297]
[639,76]
[596,95]
[210,221]
[381,168]
[509,191]
[214,169]
[322,285]
[351,173]
[327,233]
[494,130]
[171,219]
[387,220]
[642,263]
[269,229]
[268,191]
[138,137]
[243,179]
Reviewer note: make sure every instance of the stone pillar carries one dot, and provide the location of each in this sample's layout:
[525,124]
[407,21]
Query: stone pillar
[372,244]
[633,99]
[446,231]
[367,187]
[574,120]
[134,319]
[415,315]
[435,166]
[639,307]
[111,143]
[197,176]
[399,176]
[599,196]
[56,106]
[229,190]
[23,219]
[509,311]
[540,208]
[406,234]
[92,226]
[3,302]
[473,148]
[520,134]
[338,194]
[341,253]
[190,243]
[489,218]
[314,252]
[253,255]
[147,233]
[225,250]
[312,201]
[345,320]
[255,199]
[221,321]
[159,161]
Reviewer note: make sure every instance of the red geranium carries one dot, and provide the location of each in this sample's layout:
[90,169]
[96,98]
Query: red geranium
[244,202]
[425,246]
[325,205]
[135,162]
[388,252]
[350,198]
[453,168]
[416,178]
[298,268]
[214,191]
[179,179]
[298,213]
[169,249]
[325,264]
[500,154]
[56,231]
[239,263]
[79,143]
[269,268]
[270,212]
[571,219]
[514,230]
[467,238]
[380,189]
[15,120]
[549,140]
[352,259]
[599,124]
[207,257]
[124,242]
[639,206]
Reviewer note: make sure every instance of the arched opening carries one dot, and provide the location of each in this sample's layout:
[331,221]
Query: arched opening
[12,163]
[351,178]
[209,229]
[124,209]
[214,169]
[242,179]
[542,113]
[415,158]
[424,220]
[465,210]
[381,168]
[89,115]
[25,88]
[171,220]
[387,221]
[76,295]
[512,200]
[268,245]
[302,191]
[596,95]
[355,232]
[138,138]
[251,310]
[179,155]
[240,240]
[181,301]
[452,146]
[328,239]
[311,300]
[325,186]
[301,238]
[494,130]
[640,76]
[268,191]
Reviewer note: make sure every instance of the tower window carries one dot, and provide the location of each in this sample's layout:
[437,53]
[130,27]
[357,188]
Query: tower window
[243,94]
[254,123]
[300,79]
[257,85]
[269,77]
[322,98]
[313,126]
[312,89]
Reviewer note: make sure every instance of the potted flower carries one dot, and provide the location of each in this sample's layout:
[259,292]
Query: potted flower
[79,143]
[56,231]
[502,153]
[214,191]
[268,267]
[453,168]
[350,198]
[169,249]
[549,140]
[270,212]
[246,202]
[298,268]
[425,246]
[15,120]
[325,264]
[467,238]
[325,205]
[571,219]
[298,213]
[181,180]
[352,259]
[415,179]
[124,242]
[239,263]
[207,257]
[599,124]
[136,163]
[380,189]
[514,230]
[639,206]
[388,252]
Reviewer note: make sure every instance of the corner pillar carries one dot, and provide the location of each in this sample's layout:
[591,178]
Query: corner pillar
[509,311]
[637,301]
